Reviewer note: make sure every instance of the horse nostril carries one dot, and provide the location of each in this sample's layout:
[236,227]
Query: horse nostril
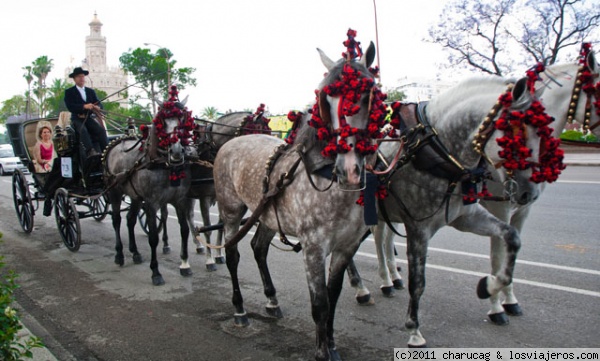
[356,169]
[525,198]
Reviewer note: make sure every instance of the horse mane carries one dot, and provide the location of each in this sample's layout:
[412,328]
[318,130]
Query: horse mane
[306,141]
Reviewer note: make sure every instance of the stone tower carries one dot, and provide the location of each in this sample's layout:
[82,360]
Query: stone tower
[110,79]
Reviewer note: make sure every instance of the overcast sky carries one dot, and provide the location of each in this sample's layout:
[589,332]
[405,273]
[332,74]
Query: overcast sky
[245,51]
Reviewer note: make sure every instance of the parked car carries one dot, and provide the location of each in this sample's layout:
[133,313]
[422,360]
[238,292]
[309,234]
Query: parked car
[8,161]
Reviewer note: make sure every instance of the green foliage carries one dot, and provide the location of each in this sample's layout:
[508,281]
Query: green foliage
[155,71]
[394,95]
[12,347]
[577,136]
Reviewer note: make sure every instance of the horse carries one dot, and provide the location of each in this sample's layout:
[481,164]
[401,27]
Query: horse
[561,82]
[210,136]
[424,193]
[275,181]
[155,176]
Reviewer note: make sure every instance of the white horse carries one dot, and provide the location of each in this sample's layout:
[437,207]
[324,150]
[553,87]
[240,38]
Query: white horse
[561,98]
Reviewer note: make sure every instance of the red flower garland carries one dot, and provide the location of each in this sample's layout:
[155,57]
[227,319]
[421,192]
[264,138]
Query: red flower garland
[350,88]
[587,79]
[250,125]
[513,143]
[182,133]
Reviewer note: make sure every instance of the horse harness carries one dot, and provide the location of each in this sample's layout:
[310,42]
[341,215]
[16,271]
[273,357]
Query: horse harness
[426,152]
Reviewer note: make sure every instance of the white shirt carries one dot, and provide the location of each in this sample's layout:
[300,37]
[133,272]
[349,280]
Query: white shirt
[82,92]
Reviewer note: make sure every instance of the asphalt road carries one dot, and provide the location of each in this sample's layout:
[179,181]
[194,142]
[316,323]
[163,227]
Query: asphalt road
[86,308]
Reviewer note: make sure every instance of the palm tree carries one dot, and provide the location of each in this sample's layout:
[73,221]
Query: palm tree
[54,101]
[28,78]
[41,68]
[210,112]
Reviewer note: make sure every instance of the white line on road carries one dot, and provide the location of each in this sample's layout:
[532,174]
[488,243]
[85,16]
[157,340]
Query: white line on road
[515,280]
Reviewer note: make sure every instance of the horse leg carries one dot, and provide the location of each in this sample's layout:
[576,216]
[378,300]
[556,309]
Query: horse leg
[390,259]
[363,295]
[416,254]
[314,266]
[504,255]
[220,257]
[157,278]
[164,216]
[339,262]
[260,246]
[132,214]
[115,198]
[384,241]
[232,215]
[185,216]
[205,212]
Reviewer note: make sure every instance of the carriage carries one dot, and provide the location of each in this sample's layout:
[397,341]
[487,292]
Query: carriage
[79,180]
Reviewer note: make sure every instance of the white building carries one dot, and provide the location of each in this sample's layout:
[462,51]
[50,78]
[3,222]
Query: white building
[421,89]
[110,79]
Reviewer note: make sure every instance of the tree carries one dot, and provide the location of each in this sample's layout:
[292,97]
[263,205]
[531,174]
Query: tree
[41,67]
[494,36]
[56,92]
[395,95]
[210,113]
[152,71]
[14,106]
[28,78]
[560,24]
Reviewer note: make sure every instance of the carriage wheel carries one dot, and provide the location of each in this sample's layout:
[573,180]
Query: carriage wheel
[22,200]
[67,220]
[144,222]
[99,207]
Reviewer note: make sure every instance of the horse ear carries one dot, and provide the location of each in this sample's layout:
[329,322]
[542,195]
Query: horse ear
[184,100]
[522,97]
[369,56]
[159,102]
[591,62]
[329,64]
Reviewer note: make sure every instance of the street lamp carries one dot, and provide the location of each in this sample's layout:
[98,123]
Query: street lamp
[167,57]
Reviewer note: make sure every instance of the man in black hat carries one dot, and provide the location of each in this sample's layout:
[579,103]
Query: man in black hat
[82,102]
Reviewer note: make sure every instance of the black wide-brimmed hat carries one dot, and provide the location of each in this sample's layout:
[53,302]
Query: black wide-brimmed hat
[78,71]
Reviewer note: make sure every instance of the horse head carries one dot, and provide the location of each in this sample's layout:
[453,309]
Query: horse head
[572,93]
[349,111]
[173,126]
[524,146]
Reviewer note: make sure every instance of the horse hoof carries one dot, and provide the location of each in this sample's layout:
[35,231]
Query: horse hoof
[166,249]
[398,284]
[334,355]
[211,267]
[241,320]
[500,318]
[388,291]
[185,272]
[417,346]
[220,260]
[513,309]
[365,300]
[120,260]
[482,291]
[274,312]
[200,250]
[158,280]
[137,258]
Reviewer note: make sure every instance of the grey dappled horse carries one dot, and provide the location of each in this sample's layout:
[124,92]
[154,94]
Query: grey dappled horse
[558,83]
[325,222]
[423,203]
[211,138]
[151,176]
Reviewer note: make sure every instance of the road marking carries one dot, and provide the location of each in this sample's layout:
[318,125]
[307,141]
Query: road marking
[578,182]
[479,274]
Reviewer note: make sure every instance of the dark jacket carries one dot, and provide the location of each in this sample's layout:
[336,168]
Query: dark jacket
[75,103]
